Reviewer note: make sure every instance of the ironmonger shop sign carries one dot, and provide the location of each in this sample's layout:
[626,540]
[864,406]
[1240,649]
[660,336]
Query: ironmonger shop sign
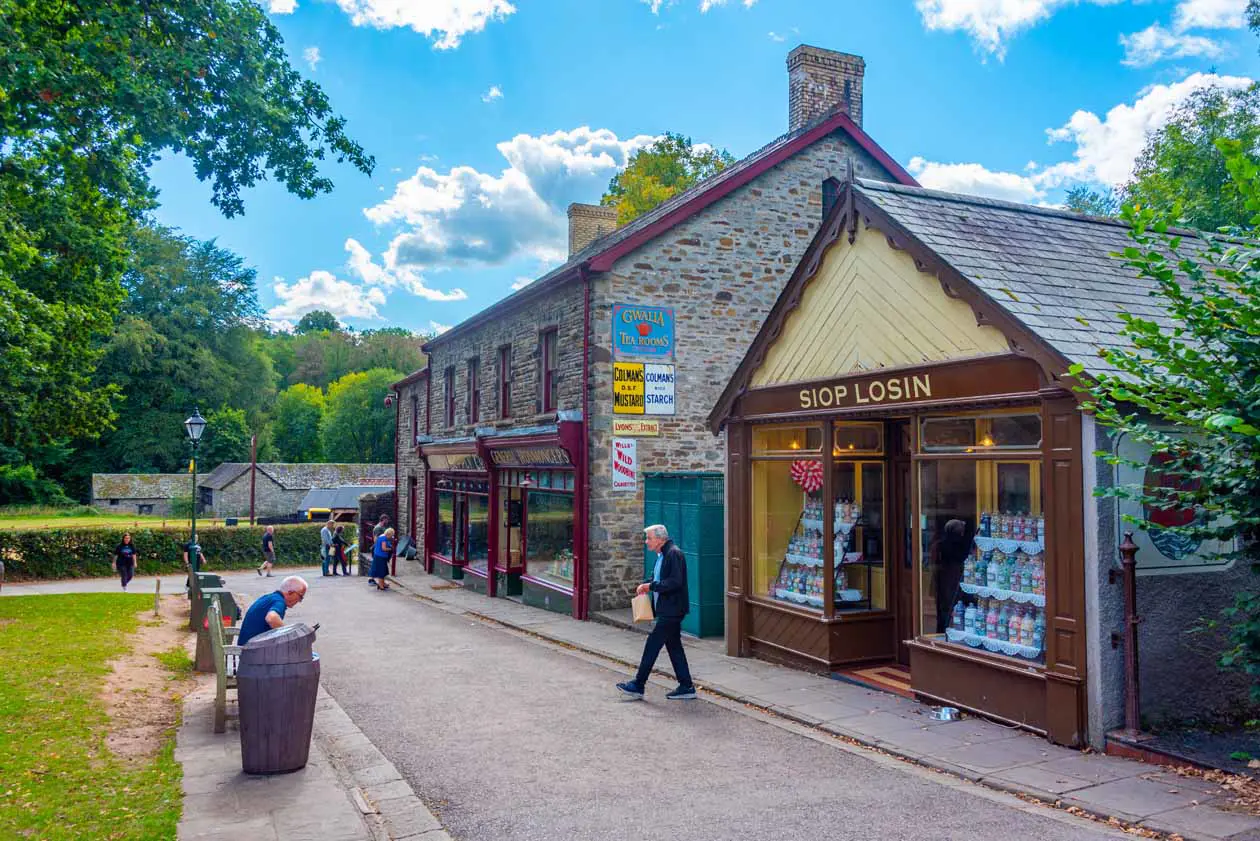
[955,381]
[531,457]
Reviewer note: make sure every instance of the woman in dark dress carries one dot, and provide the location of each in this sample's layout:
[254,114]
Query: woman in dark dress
[125,560]
[952,556]
[381,550]
[339,551]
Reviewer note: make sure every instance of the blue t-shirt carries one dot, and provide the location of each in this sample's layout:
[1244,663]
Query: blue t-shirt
[383,547]
[255,621]
[269,542]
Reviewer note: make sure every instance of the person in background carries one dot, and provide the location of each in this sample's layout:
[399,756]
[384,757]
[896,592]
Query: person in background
[339,551]
[951,556]
[125,560]
[268,550]
[671,602]
[381,551]
[325,545]
[380,527]
[201,563]
[267,612]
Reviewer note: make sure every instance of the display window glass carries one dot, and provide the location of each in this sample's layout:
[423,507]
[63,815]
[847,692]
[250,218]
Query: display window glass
[858,519]
[787,562]
[982,555]
[463,522]
[786,440]
[478,532]
[980,434]
[549,537]
[858,439]
[511,529]
[445,524]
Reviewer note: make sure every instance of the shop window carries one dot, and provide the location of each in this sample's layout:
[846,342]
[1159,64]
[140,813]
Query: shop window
[983,556]
[474,386]
[505,382]
[858,439]
[786,440]
[786,533]
[448,397]
[548,370]
[445,542]
[982,434]
[549,537]
[463,522]
[858,521]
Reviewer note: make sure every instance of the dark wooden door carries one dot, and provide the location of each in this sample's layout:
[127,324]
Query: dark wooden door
[901,533]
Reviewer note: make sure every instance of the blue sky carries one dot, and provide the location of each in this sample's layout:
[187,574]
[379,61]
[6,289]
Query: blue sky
[487,117]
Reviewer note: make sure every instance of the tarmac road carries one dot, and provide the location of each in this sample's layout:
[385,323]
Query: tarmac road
[507,738]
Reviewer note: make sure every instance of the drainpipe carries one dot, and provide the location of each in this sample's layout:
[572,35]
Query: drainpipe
[1132,691]
[393,561]
[583,590]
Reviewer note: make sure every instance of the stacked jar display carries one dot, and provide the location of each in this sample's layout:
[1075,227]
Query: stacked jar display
[1004,582]
[800,578]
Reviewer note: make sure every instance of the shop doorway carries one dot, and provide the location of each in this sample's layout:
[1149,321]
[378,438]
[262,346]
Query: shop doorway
[901,537]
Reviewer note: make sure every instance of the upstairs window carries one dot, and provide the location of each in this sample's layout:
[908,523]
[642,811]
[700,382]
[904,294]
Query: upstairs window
[448,397]
[474,386]
[830,195]
[505,381]
[415,417]
[548,369]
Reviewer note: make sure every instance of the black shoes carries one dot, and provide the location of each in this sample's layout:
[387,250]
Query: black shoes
[682,693]
[631,689]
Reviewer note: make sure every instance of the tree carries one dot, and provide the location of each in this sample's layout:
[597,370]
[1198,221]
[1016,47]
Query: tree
[1190,390]
[296,425]
[318,321]
[657,172]
[226,438]
[358,426]
[1182,175]
[90,93]
[1081,199]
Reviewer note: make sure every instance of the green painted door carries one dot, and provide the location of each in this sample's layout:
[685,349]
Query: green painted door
[691,506]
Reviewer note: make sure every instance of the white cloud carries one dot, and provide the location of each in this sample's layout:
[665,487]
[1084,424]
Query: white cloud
[322,290]
[1209,14]
[464,216]
[312,56]
[282,7]
[1155,43]
[445,22]
[1107,146]
[777,38]
[990,23]
[390,275]
[1104,152]
[705,5]
[521,282]
[974,179]
[654,5]
[438,329]
[491,95]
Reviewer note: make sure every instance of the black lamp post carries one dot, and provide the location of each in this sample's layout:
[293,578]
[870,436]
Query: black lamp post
[195,426]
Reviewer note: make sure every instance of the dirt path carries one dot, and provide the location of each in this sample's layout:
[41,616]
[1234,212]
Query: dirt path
[142,694]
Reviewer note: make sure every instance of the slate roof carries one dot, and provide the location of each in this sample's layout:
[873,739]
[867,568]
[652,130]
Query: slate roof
[1051,269]
[714,184]
[140,485]
[297,477]
[347,496]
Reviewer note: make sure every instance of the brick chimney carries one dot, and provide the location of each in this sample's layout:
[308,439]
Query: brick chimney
[587,223]
[819,80]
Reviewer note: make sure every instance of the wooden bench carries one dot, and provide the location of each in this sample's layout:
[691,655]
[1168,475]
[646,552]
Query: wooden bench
[226,658]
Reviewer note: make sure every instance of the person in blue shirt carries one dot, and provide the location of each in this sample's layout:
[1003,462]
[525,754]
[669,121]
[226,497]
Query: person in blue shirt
[671,604]
[268,550]
[268,611]
[382,549]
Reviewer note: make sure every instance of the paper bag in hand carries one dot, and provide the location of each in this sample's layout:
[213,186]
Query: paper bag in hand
[642,607]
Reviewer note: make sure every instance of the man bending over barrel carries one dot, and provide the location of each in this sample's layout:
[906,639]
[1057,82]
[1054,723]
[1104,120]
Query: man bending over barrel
[267,611]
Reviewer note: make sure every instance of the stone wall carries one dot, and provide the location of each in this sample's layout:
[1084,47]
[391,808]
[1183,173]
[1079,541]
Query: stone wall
[411,420]
[270,499]
[1179,678]
[722,270]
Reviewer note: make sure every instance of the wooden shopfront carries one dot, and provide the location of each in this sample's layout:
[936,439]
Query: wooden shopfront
[875,407]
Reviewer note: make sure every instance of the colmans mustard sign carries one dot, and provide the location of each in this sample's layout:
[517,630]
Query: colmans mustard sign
[643,331]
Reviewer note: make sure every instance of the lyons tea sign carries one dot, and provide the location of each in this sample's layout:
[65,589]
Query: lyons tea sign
[643,331]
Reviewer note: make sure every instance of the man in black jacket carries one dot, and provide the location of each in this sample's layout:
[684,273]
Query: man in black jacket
[669,597]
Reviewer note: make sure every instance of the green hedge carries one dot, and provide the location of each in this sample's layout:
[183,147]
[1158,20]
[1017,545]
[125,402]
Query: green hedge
[86,553]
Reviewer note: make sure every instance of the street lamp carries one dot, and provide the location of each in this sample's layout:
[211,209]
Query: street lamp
[195,426]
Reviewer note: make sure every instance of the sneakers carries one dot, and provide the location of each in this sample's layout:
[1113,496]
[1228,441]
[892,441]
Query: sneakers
[631,689]
[682,693]
[259,571]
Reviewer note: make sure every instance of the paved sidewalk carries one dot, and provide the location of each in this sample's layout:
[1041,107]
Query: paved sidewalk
[975,749]
[348,791]
[143,584]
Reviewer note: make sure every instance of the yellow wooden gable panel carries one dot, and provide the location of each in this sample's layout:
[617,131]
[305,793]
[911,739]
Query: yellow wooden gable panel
[868,307]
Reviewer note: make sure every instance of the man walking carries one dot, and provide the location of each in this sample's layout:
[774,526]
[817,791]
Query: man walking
[268,550]
[325,546]
[267,612]
[671,602]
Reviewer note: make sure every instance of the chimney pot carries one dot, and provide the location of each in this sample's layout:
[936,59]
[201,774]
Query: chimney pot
[819,81]
[587,223]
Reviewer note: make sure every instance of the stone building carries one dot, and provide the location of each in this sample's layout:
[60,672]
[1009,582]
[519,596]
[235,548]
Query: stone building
[139,493]
[507,441]
[279,488]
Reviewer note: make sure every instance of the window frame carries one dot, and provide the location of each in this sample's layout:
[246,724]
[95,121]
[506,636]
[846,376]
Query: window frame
[474,388]
[448,396]
[505,381]
[415,417]
[547,371]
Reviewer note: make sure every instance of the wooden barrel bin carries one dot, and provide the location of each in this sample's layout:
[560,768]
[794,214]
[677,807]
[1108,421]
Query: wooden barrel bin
[277,682]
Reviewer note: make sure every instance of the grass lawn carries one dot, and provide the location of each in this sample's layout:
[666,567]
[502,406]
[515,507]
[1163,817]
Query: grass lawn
[103,520]
[57,778]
